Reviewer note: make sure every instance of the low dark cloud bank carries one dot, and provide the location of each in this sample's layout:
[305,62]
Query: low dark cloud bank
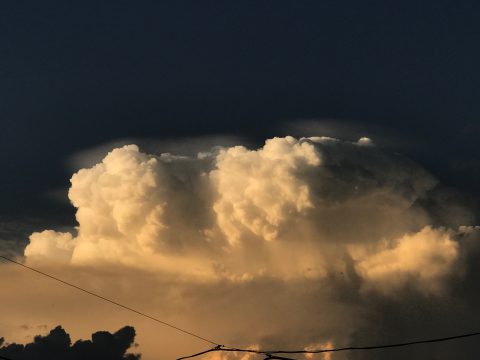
[58,345]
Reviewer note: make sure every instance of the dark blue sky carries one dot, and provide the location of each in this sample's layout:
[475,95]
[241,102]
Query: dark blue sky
[78,74]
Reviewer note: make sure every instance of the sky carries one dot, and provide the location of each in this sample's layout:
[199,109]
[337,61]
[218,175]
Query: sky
[266,173]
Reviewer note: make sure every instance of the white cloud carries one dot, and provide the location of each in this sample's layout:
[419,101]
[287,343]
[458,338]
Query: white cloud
[260,190]
[293,209]
[51,246]
[423,259]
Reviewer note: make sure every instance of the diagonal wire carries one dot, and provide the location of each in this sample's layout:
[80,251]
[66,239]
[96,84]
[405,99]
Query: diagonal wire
[110,301]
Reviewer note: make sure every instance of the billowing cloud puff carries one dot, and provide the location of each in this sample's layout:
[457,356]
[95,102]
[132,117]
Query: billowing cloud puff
[259,191]
[423,259]
[293,209]
[51,244]
[120,203]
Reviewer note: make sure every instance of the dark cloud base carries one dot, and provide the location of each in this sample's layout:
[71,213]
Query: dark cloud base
[57,345]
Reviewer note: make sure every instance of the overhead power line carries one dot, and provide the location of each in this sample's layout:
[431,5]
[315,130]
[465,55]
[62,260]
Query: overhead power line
[111,301]
[273,354]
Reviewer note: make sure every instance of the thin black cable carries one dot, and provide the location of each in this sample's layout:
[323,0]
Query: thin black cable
[110,301]
[4,358]
[426,341]
[272,353]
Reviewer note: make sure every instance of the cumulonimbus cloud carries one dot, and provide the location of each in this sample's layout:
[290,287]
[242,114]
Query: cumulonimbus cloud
[294,208]
[311,242]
